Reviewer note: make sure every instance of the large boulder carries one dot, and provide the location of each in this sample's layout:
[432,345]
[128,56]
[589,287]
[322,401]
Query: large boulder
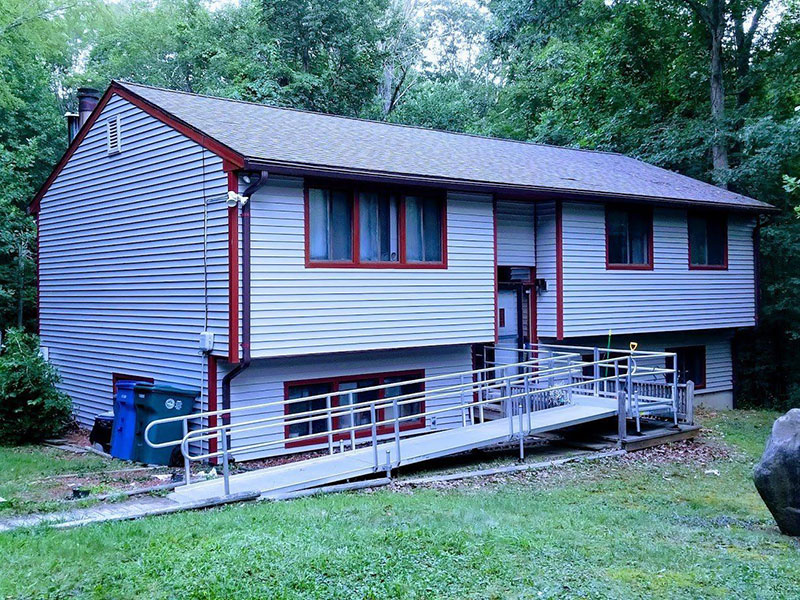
[777,475]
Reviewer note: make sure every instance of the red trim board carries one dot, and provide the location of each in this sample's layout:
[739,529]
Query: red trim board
[205,141]
[233,273]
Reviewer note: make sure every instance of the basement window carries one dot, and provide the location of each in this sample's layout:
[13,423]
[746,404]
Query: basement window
[113,136]
[313,430]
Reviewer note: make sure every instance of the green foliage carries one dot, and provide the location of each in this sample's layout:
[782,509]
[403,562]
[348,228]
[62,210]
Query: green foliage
[31,408]
[630,76]
[671,527]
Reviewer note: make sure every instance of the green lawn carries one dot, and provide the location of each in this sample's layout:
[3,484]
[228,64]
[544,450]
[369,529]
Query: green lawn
[663,525]
[32,477]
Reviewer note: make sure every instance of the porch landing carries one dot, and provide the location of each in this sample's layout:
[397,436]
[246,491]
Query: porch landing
[367,460]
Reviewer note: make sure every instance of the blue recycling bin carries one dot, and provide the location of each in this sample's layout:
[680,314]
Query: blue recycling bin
[122,435]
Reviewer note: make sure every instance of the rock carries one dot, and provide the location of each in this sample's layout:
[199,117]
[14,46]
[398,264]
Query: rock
[777,475]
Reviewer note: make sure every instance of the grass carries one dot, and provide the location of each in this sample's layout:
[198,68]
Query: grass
[649,525]
[23,469]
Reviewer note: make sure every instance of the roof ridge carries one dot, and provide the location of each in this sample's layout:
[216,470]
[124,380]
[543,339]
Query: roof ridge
[376,122]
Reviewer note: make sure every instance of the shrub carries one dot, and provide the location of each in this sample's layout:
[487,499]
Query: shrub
[31,408]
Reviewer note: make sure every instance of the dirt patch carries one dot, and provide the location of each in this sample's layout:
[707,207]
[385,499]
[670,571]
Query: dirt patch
[701,451]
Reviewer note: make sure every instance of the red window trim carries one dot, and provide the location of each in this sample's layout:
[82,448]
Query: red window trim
[115,377]
[631,267]
[702,348]
[335,382]
[706,215]
[356,262]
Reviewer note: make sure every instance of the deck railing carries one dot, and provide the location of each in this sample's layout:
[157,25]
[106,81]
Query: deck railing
[548,377]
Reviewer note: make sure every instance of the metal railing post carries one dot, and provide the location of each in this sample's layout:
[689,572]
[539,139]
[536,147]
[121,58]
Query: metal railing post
[481,395]
[629,385]
[622,425]
[596,371]
[374,433]
[463,406]
[675,387]
[352,424]
[187,466]
[226,475]
[330,425]
[528,407]
[396,428]
[521,434]
[508,403]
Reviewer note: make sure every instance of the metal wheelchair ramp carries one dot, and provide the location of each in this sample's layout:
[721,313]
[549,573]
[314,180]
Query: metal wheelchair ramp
[360,462]
[549,389]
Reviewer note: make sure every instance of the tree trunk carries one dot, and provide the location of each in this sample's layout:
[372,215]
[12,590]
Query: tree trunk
[719,146]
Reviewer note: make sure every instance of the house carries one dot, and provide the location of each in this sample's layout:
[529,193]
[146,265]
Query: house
[266,254]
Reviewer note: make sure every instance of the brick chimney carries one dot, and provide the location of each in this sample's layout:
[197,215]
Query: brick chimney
[87,100]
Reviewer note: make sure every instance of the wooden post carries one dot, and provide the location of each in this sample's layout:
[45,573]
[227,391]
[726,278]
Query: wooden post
[690,402]
[622,424]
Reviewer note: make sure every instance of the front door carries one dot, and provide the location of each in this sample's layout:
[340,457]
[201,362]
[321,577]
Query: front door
[508,327]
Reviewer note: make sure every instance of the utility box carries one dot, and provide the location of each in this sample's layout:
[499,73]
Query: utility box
[154,402]
[124,428]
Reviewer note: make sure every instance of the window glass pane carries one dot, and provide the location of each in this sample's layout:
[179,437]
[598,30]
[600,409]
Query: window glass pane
[413,229]
[304,391]
[639,236]
[617,237]
[378,227]
[330,216]
[432,230]
[697,241]
[318,224]
[716,232]
[412,408]
[341,226]
[363,417]
[423,229]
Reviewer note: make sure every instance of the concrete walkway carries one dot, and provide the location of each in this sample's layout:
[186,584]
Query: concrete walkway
[144,506]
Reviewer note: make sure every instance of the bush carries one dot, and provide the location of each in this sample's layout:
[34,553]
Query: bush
[31,408]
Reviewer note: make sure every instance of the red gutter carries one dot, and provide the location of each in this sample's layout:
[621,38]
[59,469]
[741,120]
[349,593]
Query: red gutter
[559,270]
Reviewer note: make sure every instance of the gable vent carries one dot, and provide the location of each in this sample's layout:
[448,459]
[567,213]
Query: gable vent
[113,136]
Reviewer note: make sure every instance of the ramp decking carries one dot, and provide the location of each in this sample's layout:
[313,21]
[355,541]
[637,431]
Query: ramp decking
[360,462]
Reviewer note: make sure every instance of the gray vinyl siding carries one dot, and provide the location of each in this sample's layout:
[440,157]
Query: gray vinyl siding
[515,233]
[719,361]
[546,267]
[265,382]
[298,310]
[121,273]
[671,297]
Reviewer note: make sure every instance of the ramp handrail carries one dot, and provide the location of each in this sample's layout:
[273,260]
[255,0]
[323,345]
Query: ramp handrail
[538,376]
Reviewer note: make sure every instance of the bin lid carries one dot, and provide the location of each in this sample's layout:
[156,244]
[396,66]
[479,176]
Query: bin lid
[126,384]
[161,388]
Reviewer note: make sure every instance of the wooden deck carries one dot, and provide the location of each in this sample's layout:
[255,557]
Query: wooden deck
[361,462]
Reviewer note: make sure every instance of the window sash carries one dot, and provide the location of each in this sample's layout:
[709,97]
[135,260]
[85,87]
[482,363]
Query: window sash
[330,225]
[707,241]
[378,227]
[628,232]
[373,228]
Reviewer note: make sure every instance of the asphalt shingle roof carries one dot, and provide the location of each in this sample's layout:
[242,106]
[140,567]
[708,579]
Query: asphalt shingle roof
[297,138]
